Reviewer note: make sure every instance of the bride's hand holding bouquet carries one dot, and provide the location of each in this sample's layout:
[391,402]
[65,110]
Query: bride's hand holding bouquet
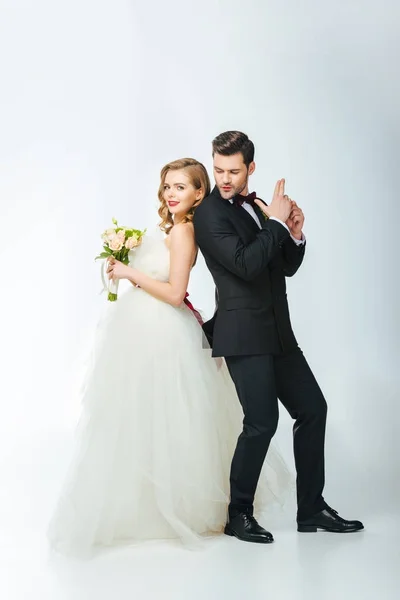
[117,269]
[118,242]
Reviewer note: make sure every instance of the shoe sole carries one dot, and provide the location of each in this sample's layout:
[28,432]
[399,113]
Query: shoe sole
[231,533]
[314,529]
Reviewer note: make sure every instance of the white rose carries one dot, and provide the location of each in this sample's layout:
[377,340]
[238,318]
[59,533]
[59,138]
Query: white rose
[132,242]
[108,235]
[116,243]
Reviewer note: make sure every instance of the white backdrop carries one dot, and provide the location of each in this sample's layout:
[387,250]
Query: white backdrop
[96,96]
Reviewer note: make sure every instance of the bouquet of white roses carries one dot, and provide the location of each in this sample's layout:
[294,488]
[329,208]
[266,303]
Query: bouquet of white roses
[118,241]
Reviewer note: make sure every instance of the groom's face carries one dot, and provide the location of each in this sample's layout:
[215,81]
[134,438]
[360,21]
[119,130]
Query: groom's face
[231,175]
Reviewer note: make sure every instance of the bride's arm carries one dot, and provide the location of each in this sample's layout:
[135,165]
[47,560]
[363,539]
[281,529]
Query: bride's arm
[182,255]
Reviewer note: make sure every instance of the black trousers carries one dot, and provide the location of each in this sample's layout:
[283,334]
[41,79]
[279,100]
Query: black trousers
[260,380]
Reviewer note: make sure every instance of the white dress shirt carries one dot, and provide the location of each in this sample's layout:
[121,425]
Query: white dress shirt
[253,214]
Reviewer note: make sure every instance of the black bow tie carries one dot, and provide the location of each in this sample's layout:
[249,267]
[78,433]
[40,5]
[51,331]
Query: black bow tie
[238,200]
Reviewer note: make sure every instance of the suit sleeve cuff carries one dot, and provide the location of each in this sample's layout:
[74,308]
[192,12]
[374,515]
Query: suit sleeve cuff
[279,221]
[299,242]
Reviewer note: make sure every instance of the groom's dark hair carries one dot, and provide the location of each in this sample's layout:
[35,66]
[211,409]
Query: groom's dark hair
[232,142]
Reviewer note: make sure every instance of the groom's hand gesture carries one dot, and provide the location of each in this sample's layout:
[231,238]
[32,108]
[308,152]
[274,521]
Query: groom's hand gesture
[295,221]
[281,205]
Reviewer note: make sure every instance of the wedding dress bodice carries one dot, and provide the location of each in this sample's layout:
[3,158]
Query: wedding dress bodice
[151,258]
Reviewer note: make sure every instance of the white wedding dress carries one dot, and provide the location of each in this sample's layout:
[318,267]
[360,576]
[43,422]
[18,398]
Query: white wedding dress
[158,429]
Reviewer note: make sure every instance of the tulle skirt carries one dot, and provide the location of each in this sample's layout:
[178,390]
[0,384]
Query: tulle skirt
[159,425]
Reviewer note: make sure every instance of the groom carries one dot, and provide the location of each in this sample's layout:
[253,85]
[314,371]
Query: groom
[250,248]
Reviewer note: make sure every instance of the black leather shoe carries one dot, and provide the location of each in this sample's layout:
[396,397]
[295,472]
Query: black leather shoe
[245,528]
[328,520]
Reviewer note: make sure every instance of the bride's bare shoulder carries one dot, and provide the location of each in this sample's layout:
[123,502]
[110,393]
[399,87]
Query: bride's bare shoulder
[182,233]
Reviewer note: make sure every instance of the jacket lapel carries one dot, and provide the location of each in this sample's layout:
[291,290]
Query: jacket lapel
[239,213]
[245,216]
[259,214]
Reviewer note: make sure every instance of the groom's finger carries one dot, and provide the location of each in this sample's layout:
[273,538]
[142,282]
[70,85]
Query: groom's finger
[277,187]
[261,205]
[295,212]
[296,215]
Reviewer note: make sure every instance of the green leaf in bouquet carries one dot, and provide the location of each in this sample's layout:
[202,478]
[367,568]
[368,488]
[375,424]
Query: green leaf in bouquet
[138,232]
[124,256]
[114,220]
[108,250]
[102,255]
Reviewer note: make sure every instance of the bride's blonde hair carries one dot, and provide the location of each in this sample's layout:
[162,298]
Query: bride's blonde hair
[198,178]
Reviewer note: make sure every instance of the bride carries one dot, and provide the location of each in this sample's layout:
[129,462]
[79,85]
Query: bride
[160,416]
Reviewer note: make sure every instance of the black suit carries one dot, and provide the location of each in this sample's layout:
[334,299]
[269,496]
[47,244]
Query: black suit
[251,328]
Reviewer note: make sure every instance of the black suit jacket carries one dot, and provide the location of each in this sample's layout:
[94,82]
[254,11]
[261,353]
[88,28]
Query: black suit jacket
[249,267]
